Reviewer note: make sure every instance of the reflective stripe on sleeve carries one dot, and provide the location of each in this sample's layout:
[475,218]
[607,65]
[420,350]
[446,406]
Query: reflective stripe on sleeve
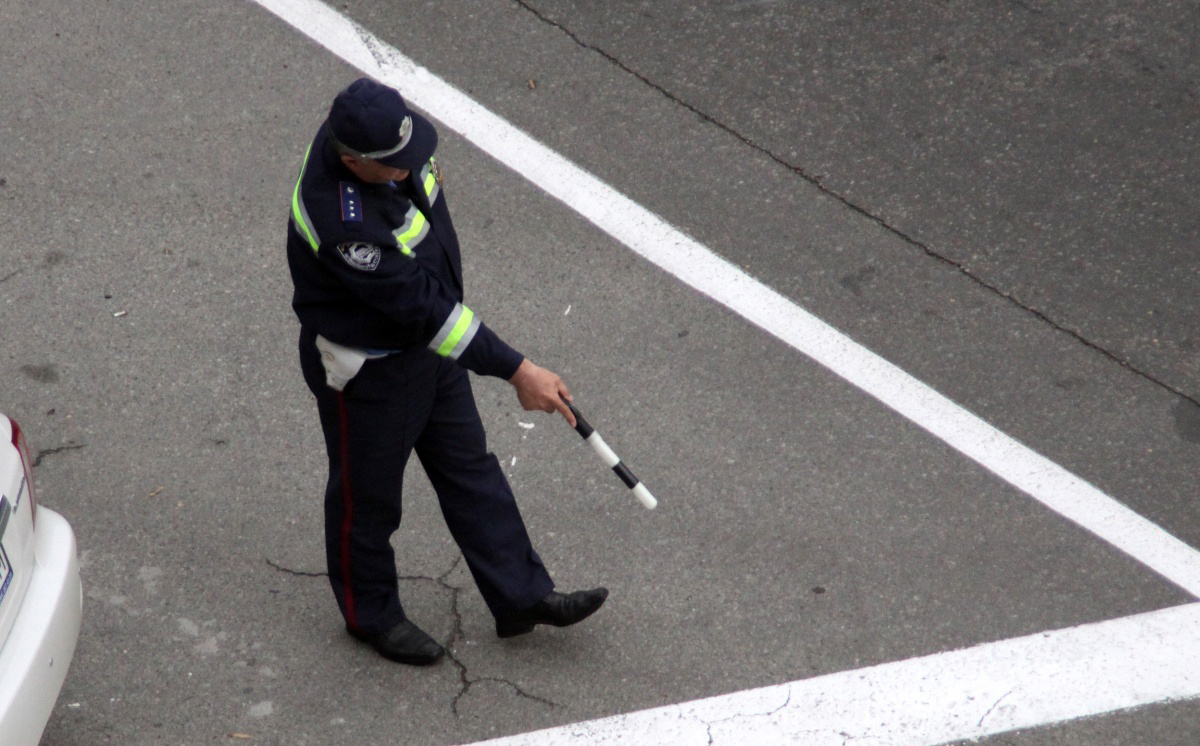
[414,230]
[300,216]
[456,333]
[429,181]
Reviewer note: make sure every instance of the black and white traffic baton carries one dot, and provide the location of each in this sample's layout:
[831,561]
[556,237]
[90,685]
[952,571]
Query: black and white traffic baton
[611,459]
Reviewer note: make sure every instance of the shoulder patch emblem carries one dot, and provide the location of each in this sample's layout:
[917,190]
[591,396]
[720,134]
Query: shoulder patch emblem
[364,256]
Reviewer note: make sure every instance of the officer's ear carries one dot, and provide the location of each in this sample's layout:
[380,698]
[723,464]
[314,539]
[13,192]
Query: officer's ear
[351,163]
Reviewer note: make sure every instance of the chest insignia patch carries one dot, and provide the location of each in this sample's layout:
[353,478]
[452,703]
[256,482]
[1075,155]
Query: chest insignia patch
[363,256]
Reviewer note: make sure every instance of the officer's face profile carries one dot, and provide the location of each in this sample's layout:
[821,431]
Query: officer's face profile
[373,172]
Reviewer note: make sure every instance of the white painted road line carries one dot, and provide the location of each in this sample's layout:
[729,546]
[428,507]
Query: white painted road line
[981,691]
[660,243]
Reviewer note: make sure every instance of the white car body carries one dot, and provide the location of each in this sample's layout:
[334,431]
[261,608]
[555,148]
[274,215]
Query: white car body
[41,598]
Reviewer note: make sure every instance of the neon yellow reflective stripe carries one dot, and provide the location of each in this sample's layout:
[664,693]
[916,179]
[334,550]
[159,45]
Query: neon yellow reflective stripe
[413,230]
[299,213]
[456,334]
[448,327]
[429,180]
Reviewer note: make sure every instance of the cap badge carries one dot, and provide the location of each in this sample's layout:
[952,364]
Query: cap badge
[405,132]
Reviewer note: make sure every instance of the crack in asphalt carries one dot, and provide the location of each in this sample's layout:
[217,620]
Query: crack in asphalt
[297,573]
[465,680]
[1027,6]
[11,275]
[37,461]
[957,265]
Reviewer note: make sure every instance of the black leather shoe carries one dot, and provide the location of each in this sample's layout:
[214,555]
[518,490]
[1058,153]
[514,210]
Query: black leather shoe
[556,609]
[404,643]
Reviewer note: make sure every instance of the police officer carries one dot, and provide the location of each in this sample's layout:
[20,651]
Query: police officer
[385,346]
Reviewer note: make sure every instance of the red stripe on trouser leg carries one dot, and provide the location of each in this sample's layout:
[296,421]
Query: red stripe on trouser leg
[347,514]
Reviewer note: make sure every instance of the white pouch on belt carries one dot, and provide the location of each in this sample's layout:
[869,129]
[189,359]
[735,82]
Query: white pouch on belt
[342,363]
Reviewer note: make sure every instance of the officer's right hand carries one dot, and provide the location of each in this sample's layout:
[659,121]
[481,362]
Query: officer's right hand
[541,390]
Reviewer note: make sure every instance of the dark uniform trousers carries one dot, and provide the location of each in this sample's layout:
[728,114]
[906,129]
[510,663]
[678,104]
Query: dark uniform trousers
[413,400]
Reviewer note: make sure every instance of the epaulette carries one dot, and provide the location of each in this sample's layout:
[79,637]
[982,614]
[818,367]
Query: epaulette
[351,202]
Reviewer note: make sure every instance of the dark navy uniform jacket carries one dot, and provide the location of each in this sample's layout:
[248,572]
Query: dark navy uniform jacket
[377,266]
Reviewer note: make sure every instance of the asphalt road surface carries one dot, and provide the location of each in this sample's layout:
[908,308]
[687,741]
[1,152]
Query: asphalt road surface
[1001,199]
